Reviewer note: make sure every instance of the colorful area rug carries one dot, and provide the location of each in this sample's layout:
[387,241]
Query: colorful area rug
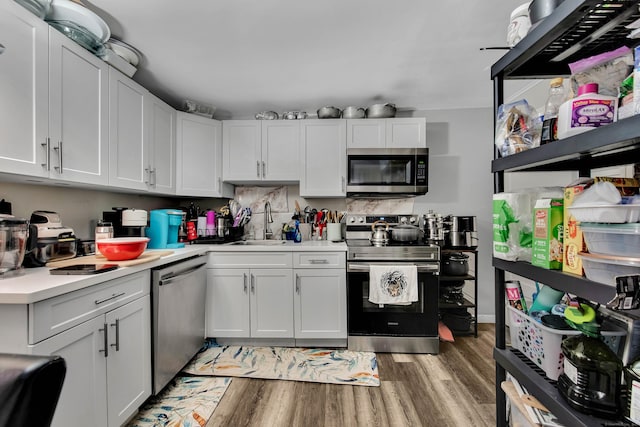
[185,402]
[282,363]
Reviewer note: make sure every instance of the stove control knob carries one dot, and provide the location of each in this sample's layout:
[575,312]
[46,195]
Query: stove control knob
[361,220]
[412,220]
[352,220]
[403,220]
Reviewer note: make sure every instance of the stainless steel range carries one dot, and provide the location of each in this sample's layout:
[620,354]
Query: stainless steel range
[394,328]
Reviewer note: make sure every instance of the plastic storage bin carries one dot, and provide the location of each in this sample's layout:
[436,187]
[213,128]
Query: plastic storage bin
[612,239]
[606,213]
[541,344]
[605,268]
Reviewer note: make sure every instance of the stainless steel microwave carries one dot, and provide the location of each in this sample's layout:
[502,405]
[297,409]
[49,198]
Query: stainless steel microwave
[381,172]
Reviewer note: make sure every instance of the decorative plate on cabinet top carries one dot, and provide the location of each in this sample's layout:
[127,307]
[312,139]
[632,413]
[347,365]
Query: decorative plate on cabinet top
[66,10]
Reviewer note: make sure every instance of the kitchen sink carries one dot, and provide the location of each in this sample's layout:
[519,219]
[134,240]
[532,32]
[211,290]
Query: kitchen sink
[260,242]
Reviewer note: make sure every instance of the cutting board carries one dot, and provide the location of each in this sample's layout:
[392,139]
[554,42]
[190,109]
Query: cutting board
[99,259]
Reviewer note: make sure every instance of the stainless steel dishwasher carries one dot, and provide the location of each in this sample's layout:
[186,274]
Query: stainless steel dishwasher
[178,292]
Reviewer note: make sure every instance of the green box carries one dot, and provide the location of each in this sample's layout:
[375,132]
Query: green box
[548,235]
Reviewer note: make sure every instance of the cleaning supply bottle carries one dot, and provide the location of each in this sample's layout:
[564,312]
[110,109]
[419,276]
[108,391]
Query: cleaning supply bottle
[556,97]
[588,110]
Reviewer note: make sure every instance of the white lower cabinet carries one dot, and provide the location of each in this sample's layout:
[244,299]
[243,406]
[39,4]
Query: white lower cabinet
[108,357]
[277,295]
[320,303]
[255,303]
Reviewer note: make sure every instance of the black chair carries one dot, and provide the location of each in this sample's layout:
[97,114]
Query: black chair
[30,387]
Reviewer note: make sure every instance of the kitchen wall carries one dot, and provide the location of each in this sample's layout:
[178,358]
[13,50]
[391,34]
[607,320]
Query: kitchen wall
[78,208]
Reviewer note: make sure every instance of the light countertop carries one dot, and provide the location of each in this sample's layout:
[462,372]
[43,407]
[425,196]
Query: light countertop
[36,284]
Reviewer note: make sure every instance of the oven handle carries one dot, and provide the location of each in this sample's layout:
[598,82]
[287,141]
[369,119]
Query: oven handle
[434,268]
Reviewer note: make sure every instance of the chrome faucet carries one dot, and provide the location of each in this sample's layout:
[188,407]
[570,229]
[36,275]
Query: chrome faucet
[268,219]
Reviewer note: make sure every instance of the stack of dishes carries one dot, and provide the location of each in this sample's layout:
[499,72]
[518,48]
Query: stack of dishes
[79,24]
[122,56]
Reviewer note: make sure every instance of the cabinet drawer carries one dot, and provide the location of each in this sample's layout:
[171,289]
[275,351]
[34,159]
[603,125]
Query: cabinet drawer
[319,259]
[250,260]
[54,315]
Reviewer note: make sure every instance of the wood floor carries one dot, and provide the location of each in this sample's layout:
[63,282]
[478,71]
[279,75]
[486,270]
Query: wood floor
[453,388]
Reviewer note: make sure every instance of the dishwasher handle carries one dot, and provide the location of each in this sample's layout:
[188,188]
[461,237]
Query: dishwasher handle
[172,277]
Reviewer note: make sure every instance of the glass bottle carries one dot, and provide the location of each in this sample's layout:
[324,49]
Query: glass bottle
[592,376]
[554,101]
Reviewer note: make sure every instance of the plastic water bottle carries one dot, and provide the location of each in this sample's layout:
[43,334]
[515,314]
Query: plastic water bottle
[554,101]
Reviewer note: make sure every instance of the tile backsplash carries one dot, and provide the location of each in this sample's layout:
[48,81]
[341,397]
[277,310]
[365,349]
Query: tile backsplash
[283,200]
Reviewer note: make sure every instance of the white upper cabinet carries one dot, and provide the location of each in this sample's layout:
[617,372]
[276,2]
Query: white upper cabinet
[366,133]
[128,146]
[199,157]
[142,138]
[261,150]
[387,133]
[54,99]
[161,131]
[323,158]
[24,90]
[78,112]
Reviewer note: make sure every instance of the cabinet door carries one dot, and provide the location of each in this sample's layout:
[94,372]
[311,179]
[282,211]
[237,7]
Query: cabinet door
[128,148]
[84,390]
[366,133]
[271,303]
[129,361]
[199,157]
[323,158]
[280,148]
[161,130]
[241,150]
[407,133]
[78,112]
[320,303]
[24,91]
[227,309]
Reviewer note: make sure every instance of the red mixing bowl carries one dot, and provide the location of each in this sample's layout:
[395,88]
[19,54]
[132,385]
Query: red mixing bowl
[122,248]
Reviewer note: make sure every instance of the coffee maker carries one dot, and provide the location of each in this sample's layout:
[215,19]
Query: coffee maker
[462,233]
[127,222]
[164,226]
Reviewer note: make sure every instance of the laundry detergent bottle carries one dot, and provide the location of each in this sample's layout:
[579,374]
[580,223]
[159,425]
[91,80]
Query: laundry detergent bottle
[587,111]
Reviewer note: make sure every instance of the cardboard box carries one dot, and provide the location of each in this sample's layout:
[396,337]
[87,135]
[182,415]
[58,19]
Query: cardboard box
[573,239]
[547,234]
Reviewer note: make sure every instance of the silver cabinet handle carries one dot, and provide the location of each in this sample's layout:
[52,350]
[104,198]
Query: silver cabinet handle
[253,284]
[59,150]
[297,284]
[114,296]
[117,344]
[318,261]
[1,48]
[258,168]
[155,177]
[147,173]
[47,154]
[264,170]
[244,280]
[344,184]
[106,341]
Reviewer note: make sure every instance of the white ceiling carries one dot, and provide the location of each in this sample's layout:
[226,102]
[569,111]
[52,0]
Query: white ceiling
[247,56]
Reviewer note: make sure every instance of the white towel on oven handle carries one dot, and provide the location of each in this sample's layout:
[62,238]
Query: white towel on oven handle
[393,284]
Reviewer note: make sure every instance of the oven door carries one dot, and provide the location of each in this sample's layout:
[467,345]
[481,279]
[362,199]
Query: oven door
[415,320]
